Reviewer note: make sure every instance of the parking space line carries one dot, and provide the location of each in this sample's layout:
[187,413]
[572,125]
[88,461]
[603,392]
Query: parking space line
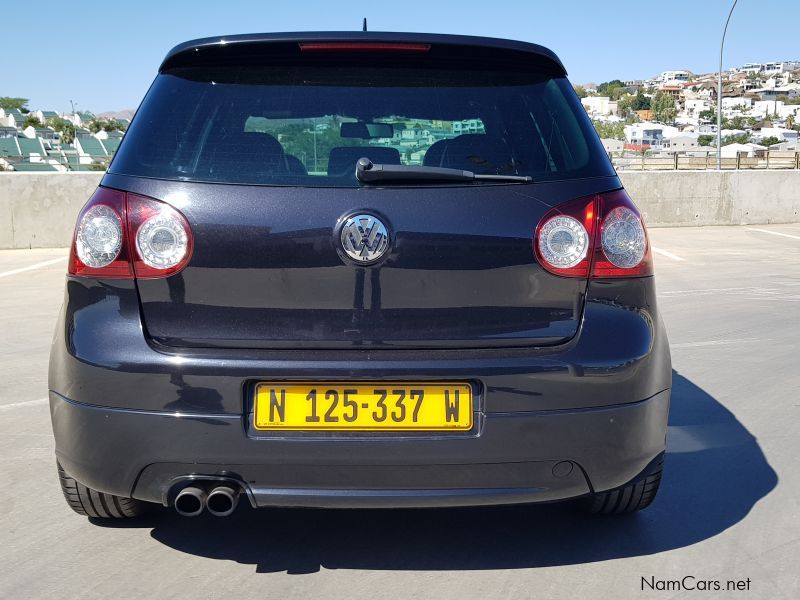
[20,404]
[38,265]
[717,343]
[667,254]
[788,235]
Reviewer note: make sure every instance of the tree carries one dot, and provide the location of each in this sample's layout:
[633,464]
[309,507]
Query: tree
[114,125]
[641,102]
[581,91]
[790,122]
[769,141]
[31,121]
[9,103]
[98,124]
[708,115]
[301,140]
[625,104]
[742,138]
[614,131]
[705,140]
[65,129]
[663,107]
[739,122]
[613,89]
[786,99]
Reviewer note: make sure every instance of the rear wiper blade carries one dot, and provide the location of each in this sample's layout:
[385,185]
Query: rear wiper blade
[368,172]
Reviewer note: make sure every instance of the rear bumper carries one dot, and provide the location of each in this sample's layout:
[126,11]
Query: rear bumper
[513,458]
[551,423]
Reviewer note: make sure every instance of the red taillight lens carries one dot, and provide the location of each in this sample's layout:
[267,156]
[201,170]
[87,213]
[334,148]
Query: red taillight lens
[99,247]
[160,236]
[622,247]
[119,236]
[564,238]
[600,236]
[362,47]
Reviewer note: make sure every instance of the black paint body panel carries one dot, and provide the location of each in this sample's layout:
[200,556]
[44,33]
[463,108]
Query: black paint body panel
[151,381]
[265,271]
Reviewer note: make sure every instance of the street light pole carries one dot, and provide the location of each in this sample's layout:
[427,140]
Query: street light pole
[719,91]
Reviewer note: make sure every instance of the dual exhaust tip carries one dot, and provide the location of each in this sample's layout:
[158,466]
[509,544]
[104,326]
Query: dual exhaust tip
[220,501]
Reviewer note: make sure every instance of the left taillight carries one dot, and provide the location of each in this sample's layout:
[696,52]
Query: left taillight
[122,236]
[99,246]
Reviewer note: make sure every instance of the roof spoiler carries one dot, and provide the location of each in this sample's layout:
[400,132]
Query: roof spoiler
[232,47]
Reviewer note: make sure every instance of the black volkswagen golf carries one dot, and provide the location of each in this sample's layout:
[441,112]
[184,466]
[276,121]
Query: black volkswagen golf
[359,270]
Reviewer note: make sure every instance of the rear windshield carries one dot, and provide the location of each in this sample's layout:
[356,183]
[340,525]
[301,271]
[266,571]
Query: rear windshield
[308,126]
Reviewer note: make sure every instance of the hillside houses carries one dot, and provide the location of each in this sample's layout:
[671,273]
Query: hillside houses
[760,102]
[39,147]
[12,118]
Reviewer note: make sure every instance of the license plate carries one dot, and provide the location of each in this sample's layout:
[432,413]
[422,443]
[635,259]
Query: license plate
[363,406]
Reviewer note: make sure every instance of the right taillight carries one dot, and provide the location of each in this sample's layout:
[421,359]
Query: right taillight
[122,236]
[621,248]
[601,236]
[160,236]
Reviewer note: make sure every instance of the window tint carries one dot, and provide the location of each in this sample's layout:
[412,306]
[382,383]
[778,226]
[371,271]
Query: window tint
[308,126]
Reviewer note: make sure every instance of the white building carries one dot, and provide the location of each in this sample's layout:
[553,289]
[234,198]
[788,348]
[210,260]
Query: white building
[780,66]
[750,85]
[751,68]
[737,103]
[767,108]
[707,128]
[45,115]
[673,76]
[731,132]
[468,126]
[680,143]
[771,68]
[791,90]
[784,147]
[734,150]
[599,105]
[612,146]
[695,106]
[789,109]
[649,134]
[784,135]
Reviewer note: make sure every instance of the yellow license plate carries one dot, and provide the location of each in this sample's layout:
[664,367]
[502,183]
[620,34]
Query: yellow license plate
[363,406]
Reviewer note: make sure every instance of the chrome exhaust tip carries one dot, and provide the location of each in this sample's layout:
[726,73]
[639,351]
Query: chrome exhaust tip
[190,501]
[222,501]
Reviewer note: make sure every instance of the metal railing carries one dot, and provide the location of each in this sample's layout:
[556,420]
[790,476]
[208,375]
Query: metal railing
[70,163]
[682,162]
[622,162]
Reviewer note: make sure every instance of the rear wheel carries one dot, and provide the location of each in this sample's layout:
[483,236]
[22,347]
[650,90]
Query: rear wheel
[629,498]
[91,503]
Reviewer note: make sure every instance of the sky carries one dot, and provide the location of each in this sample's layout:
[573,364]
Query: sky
[104,55]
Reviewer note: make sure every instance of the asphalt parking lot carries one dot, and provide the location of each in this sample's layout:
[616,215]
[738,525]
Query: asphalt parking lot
[729,507]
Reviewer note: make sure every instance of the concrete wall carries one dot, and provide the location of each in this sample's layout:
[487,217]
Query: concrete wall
[678,198]
[38,210]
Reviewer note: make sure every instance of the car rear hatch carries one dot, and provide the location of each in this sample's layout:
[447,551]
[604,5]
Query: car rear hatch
[256,144]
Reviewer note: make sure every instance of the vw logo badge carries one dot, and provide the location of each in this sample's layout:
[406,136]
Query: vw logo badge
[364,238]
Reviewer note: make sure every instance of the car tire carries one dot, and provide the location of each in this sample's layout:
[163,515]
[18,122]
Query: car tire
[629,498]
[98,505]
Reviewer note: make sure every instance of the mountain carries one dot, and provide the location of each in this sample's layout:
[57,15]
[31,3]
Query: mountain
[120,114]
